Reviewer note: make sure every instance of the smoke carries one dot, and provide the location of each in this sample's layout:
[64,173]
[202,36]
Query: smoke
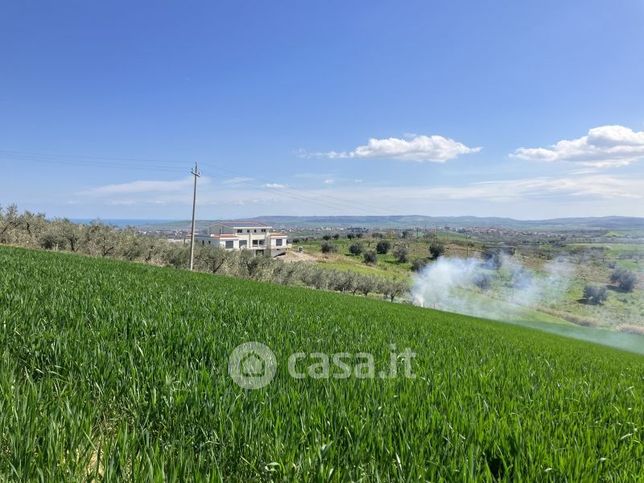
[500,288]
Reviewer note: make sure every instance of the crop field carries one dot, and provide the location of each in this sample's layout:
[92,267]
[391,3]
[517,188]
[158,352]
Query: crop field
[112,370]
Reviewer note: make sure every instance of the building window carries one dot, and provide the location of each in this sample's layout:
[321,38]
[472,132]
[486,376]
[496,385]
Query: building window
[255,243]
[240,231]
[243,243]
[278,242]
[261,242]
[247,231]
[230,244]
[263,230]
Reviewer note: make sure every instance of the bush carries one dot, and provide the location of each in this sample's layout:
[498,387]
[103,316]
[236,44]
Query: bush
[365,285]
[624,279]
[393,288]
[401,253]
[356,249]
[342,281]
[336,236]
[326,247]
[383,247]
[436,249]
[482,281]
[326,237]
[370,257]
[418,264]
[492,257]
[595,295]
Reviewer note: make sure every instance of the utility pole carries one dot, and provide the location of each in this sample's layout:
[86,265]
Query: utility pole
[195,172]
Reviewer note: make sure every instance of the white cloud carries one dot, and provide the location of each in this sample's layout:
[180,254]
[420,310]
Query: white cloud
[237,180]
[143,186]
[562,190]
[329,181]
[276,186]
[310,175]
[419,148]
[595,186]
[602,147]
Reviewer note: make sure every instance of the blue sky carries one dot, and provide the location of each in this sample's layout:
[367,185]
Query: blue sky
[528,109]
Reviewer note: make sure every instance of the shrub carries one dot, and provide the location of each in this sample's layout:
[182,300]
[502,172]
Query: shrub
[595,295]
[492,257]
[436,249]
[482,281]
[326,247]
[365,285]
[326,237]
[383,247]
[624,279]
[401,253]
[370,257]
[393,288]
[356,249]
[418,264]
[342,281]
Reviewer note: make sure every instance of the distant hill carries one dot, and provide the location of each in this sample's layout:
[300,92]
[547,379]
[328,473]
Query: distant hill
[412,221]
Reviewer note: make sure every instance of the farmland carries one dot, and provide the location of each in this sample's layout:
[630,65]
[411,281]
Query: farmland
[590,261]
[118,370]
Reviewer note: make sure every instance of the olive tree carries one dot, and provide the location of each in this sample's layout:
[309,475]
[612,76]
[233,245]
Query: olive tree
[356,249]
[401,253]
[383,247]
[624,279]
[436,249]
[369,257]
[595,295]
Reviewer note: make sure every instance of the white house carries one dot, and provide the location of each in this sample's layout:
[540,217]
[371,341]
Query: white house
[246,235]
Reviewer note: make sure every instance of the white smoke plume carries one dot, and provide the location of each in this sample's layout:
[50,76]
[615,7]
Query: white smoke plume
[501,289]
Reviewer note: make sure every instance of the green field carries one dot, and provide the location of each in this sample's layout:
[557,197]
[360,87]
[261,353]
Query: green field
[621,312]
[112,370]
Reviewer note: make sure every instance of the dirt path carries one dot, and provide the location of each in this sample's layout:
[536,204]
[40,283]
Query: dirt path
[295,256]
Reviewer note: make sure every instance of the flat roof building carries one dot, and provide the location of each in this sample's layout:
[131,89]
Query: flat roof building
[246,235]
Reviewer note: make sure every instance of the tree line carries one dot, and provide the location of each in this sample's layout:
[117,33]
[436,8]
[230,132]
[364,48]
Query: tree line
[34,230]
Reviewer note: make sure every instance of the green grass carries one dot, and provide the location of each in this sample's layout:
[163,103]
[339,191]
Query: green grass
[386,265]
[119,371]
